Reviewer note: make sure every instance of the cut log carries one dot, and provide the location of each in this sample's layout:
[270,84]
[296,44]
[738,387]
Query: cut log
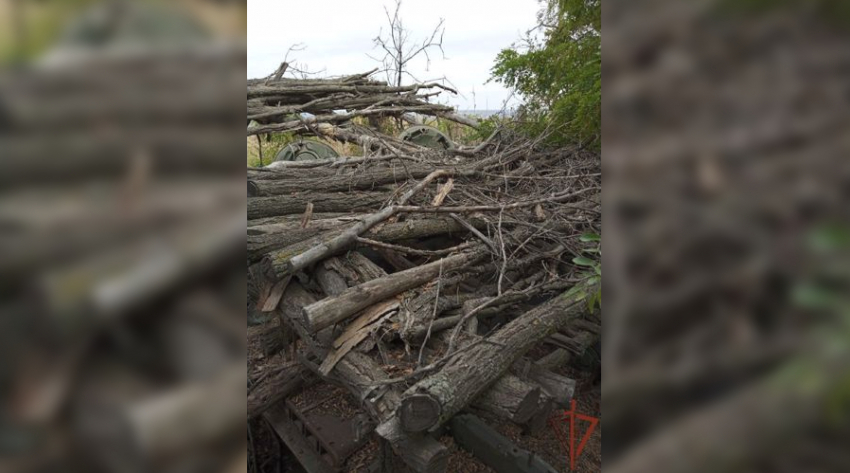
[284,264]
[262,207]
[358,373]
[336,309]
[559,389]
[523,394]
[296,180]
[113,284]
[554,360]
[150,430]
[510,398]
[286,380]
[259,245]
[540,421]
[420,307]
[576,345]
[471,371]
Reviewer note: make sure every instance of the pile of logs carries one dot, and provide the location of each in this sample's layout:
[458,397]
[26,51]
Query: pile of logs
[121,280]
[425,283]
[278,104]
[712,213]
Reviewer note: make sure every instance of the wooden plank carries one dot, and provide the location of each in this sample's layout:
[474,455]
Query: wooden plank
[356,332]
[271,303]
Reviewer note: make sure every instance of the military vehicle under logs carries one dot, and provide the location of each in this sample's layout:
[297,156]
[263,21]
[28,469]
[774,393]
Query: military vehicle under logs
[420,297]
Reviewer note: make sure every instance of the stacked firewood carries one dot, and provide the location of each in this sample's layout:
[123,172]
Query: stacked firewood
[419,280]
[726,185]
[279,104]
[122,218]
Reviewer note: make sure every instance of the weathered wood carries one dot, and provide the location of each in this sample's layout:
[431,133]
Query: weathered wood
[153,429]
[472,370]
[558,388]
[285,381]
[356,332]
[272,237]
[297,180]
[348,237]
[515,396]
[336,309]
[261,207]
[540,421]
[510,398]
[358,373]
[259,245]
[120,281]
[575,345]
[554,360]
[419,308]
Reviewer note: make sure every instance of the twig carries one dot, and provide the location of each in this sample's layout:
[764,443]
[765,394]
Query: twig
[349,237]
[475,232]
[412,251]
[560,198]
[433,316]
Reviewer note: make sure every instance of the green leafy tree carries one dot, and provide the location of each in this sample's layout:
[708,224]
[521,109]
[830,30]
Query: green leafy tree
[557,71]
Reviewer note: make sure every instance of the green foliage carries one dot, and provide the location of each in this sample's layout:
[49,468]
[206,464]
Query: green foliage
[270,144]
[560,74]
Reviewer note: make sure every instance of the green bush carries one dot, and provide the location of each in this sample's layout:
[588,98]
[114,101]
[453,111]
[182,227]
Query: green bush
[559,73]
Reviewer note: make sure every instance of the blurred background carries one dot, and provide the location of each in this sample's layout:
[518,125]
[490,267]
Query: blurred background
[122,213]
[727,181]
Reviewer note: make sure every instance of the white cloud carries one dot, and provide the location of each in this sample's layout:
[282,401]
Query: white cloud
[338,35]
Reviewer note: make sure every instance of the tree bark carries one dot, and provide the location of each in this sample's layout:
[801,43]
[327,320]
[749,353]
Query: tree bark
[554,360]
[281,236]
[559,389]
[471,371]
[261,207]
[358,373]
[297,180]
[336,309]
[287,380]
[523,393]
[510,398]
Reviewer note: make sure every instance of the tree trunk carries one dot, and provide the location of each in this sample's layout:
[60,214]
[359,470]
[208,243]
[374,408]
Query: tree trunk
[187,418]
[261,207]
[287,380]
[358,372]
[336,309]
[523,393]
[559,389]
[510,398]
[321,181]
[554,360]
[469,373]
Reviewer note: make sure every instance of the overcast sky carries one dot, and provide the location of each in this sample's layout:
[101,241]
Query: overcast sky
[338,35]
